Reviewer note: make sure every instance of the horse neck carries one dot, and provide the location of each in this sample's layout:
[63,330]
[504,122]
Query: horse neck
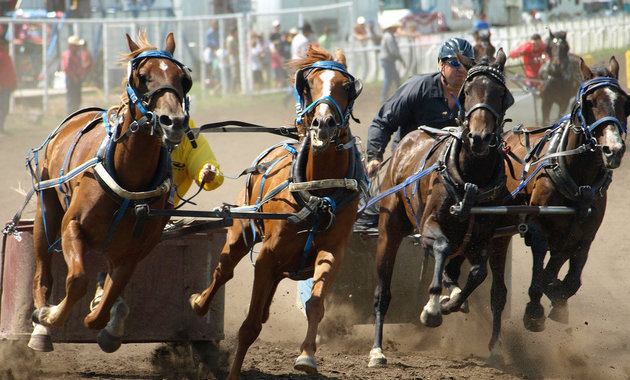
[136,158]
[329,163]
[478,170]
[585,167]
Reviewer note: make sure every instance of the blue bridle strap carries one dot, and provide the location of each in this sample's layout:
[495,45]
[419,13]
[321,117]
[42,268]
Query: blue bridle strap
[300,103]
[588,87]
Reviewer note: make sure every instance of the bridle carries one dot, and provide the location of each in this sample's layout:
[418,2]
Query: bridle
[508,99]
[143,101]
[303,109]
[576,114]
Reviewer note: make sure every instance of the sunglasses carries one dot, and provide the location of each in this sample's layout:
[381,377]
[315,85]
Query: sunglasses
[454,63]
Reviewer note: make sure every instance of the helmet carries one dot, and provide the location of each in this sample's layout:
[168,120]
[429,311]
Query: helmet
[455,44]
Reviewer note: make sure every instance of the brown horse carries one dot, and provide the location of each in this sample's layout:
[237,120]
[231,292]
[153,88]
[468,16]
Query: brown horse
[469,170]
[483,46]
[574,169]
[561,76]
[98,209]
[318,185]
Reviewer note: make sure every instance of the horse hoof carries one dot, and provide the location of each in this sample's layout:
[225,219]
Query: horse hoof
[107,342]
[430,320]
[40,339]
[495,360]
[559,314]
[534,317]
[465,308]
[377,359]
[306,364]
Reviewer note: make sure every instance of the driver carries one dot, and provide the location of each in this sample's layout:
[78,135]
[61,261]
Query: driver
[427,99]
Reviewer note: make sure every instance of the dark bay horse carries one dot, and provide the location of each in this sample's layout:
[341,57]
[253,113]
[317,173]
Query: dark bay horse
[483,46]
[575,170]
[318,180]
[94,176]
[561,75]
[469,170]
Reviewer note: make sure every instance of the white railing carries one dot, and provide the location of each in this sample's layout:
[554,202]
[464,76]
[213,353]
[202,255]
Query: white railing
[106,41]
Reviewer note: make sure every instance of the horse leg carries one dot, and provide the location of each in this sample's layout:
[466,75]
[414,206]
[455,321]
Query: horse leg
[451,276]
[76,281]
[545,106]
[40,339]
[534,317]
[568,287]
[435,241]
[498,296]
[234,250]
[327,266]
[478,273]
[115,283]
[390,236]
[262,291]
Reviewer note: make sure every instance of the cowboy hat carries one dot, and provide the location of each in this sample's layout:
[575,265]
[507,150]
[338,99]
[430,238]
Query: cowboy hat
[75,40]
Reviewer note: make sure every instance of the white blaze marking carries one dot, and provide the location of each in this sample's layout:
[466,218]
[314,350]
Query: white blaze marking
[163,66]
[326,77]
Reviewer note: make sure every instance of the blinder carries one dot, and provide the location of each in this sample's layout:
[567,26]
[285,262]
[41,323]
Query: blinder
[497,75]
[587,88]
[301,89]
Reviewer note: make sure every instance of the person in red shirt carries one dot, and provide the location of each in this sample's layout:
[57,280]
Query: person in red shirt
[71,65]
[533,53]
[8,80]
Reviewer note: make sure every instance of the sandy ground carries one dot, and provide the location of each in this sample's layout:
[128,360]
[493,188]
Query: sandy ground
[594,345]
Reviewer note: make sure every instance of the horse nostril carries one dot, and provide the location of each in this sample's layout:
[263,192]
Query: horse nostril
[316,122]
[330,121]
[165,120]
[470,135]
[487,138]
[606,150]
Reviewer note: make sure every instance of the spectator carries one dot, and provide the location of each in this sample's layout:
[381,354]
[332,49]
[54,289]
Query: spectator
[360,30]
[257,58]
[194,164]
[276,33]
[277,64]
[8,80]
[325,40]
[300,42]
[427,99]
[87,62]
[73,68]
[212,35]
[388,56]
[481,23]
[533,53]
[231,44]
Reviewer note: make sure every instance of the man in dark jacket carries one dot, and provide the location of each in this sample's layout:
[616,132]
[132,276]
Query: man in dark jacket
[428,99]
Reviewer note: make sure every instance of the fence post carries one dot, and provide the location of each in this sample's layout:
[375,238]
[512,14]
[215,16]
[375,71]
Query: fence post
[45,65]
[242,37]
[105,56]
[202,58]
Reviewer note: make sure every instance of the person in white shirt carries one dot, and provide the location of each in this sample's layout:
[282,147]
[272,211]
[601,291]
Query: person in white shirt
[300,41]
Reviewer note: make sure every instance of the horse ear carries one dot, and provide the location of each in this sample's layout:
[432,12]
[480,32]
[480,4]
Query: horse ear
[467,62]
[613,67]
[132,45]
[340,57]
[170,43]
[499,60]
[587,74]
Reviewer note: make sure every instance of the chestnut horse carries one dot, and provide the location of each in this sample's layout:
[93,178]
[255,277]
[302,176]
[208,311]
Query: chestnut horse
[570,166]
[456,170]
[561,75]
[95,177]
[319,181]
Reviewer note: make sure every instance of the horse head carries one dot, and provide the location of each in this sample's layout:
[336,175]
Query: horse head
[602,108]
[483,46]
[157,85]
[483,99]
[325,92]
[558,51]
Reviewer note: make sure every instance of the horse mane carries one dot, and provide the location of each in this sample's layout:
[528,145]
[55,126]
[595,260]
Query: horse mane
[601,71]
[313,54]
[143,45]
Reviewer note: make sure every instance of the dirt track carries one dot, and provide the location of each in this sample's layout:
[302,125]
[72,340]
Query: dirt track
[594,345]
